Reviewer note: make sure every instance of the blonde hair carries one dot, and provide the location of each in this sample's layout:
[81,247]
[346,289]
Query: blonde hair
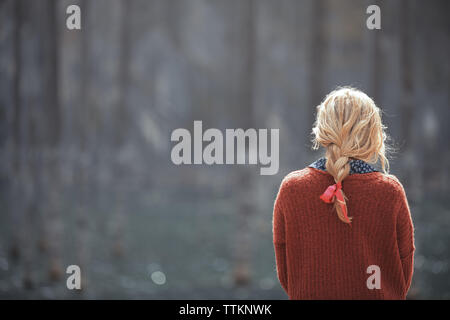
[348,125]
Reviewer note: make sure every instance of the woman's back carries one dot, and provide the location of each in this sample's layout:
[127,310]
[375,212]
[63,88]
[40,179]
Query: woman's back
[341,229]
[319,257]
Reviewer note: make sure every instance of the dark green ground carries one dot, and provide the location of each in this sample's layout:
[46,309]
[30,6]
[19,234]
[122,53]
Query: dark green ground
[192,244]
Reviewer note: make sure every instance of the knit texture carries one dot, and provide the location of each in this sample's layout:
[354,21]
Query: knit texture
[320,257]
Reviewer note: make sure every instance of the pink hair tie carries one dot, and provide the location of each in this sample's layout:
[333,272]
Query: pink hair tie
[335,190]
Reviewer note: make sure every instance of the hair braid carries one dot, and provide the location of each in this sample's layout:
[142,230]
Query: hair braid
[339,167]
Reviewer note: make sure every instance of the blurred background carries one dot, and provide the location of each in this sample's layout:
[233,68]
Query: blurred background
[86,117]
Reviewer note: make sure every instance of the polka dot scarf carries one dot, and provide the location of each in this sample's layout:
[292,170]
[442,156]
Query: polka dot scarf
[356,166]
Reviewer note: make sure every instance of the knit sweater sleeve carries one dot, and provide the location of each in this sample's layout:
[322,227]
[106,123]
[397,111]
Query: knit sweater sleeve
[405,239]
[279,239]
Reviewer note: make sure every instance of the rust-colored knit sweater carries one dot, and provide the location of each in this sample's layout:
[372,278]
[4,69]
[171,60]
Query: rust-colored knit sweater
[320,257]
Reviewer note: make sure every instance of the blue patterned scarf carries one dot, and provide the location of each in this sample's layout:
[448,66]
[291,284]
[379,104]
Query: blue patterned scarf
[356,166]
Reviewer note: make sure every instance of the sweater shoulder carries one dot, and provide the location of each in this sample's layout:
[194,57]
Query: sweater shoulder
[297,178]
[390,183]
[307,178]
